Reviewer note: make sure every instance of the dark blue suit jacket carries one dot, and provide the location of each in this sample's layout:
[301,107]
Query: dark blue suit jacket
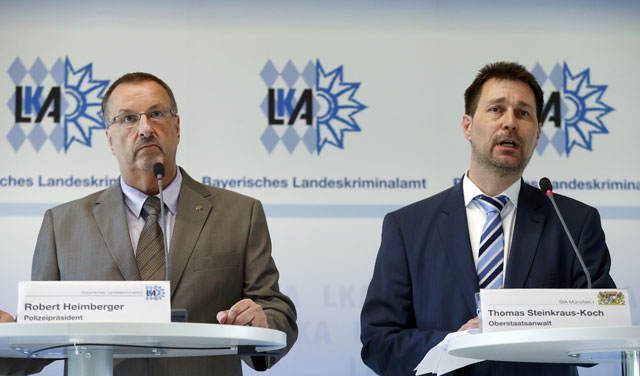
[425,278]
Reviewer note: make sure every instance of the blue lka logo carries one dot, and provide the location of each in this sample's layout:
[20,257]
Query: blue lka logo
[154,292]
[325,106]
[60,104]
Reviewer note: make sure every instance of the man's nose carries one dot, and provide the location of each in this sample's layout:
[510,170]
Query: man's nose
[509,120]
[144,126]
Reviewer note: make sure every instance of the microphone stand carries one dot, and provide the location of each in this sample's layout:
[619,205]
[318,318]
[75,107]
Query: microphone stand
[177,314]
[163,224]
[545,186]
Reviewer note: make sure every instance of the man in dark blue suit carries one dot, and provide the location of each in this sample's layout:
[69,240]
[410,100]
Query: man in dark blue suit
[426,272]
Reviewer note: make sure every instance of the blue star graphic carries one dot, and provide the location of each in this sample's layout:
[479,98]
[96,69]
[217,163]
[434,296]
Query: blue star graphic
[86,94]
[589,109]
[337,99]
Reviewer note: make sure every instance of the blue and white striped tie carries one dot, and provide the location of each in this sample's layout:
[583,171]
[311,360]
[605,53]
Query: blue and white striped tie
[491,252]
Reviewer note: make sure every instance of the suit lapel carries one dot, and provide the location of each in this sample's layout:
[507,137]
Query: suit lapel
[111,219]
[526,235]
[454,233]
[193,210]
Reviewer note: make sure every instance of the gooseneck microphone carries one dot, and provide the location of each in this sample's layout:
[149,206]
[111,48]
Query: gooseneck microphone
[545,186]
[180,314]
[158,172]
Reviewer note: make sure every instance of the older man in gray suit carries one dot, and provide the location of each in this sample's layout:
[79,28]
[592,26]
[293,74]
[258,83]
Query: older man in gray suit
[221,268]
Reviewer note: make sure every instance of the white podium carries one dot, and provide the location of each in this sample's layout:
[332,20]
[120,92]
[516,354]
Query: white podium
[566,345]
[91,347]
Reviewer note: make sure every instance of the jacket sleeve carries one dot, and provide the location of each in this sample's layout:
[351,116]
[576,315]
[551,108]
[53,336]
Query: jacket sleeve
[593,248]
[44,267]
[261,285]
[392,343]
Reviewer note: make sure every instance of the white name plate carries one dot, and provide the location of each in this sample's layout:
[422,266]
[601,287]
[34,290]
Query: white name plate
[518,309]
[94,301]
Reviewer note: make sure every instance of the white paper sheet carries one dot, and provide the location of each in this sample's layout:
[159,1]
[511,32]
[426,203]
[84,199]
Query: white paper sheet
[439,361]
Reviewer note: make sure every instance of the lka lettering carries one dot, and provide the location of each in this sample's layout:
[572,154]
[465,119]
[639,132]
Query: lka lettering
[15,181]
[317,183]
[360,183]
[74,181]
[245,182]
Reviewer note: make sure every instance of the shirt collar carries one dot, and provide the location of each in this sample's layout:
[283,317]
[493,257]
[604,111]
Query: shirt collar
[134,199]
[470,191]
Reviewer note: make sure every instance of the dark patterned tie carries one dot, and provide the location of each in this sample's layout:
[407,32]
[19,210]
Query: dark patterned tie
[491,252]
[150,252]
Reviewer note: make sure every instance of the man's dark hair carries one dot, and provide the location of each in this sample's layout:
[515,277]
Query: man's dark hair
[502,70]
[136,77]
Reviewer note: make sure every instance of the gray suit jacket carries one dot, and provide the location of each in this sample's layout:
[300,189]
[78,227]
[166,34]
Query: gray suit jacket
[220,253]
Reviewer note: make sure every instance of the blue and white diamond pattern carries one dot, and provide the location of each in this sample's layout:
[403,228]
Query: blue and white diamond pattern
[34,134]
[292,77]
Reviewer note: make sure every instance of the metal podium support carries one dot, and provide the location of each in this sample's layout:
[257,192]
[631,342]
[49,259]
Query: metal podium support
[90,360]
[631,363]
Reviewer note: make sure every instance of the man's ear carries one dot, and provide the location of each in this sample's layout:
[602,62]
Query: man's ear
[106,132]
[178,127]
[467,122]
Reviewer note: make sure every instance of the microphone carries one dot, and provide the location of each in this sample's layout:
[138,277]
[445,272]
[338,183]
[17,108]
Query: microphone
[158,172]
[177,314]
[545,186]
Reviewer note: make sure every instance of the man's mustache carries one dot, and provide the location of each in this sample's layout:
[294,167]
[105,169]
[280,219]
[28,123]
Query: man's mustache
[499,138]
[145,141]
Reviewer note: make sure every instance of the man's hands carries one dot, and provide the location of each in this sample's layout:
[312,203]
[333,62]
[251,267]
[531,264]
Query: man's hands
[474,323]
[5,317]
[245,312]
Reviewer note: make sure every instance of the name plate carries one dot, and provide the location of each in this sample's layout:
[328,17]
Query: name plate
[94,301]
[518,309]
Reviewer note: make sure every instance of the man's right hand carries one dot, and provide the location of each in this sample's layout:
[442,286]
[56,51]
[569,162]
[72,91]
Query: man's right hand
[5,317]
[474,323]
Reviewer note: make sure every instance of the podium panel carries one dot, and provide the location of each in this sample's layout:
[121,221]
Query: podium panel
[564,345]
[91,347]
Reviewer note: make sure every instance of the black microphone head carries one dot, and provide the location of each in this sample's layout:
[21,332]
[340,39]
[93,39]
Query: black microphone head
[158,170]
[545,185]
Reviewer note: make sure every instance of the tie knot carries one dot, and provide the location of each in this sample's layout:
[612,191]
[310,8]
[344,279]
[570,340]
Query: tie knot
[492,204]
[151,205]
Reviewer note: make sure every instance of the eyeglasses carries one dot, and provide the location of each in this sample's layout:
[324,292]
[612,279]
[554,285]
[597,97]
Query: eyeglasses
[128,121]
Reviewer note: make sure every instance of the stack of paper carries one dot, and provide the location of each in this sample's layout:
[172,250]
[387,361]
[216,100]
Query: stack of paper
[439,361]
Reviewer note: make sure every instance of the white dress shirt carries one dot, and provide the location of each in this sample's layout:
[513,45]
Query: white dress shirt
[476,216]
[134,200]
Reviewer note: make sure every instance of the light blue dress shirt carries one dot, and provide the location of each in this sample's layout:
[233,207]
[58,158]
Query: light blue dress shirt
[134,199]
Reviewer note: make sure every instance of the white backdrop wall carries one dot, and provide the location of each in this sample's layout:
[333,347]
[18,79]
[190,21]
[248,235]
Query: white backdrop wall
[411,61]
